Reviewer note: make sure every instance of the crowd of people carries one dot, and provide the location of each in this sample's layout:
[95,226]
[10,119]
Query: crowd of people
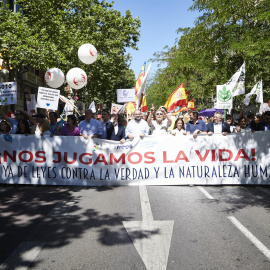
[116,127]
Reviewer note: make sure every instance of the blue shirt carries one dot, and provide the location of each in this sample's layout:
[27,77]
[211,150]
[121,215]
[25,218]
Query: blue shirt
[14,124]
[104,129]
[200,125]
[92,127]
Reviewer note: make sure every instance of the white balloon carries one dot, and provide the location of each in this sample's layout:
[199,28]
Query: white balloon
[76,78]
[54,77]
[87,53]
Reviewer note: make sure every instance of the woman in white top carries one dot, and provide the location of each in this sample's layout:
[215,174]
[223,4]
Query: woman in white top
[179,127]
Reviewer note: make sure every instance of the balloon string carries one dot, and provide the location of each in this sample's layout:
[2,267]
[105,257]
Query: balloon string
[91,84]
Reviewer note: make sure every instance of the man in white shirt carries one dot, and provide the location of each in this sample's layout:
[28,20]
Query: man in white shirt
[137,127]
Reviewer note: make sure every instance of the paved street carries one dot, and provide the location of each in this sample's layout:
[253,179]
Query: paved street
[153,227]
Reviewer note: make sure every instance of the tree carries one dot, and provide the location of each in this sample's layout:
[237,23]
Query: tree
[224,36]
[48,34]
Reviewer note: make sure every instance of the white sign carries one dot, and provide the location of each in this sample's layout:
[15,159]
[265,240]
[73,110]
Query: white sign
[125,95]
[31,104]
[8,93]
[116,108]
[48,98]
[236,159]
[224,97]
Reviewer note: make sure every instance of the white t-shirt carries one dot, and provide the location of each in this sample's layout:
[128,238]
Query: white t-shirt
[178,132]
[159,129]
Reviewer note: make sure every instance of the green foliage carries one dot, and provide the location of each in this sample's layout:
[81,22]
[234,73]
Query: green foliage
[48,33]
[224,36]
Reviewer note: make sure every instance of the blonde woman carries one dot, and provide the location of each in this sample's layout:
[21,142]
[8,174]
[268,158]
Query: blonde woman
[44,126]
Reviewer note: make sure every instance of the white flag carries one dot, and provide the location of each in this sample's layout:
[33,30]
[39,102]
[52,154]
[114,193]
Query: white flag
[93,107]
[256,90]
[142,87]
[237,82]
[66,108]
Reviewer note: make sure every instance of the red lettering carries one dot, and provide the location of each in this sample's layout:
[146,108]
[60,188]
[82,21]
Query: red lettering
[213,155]
[221,151]
[7,154]
[135,154]
[59,157]
[181,158]
[205,155]
[85,162]
[37,155]
[152,159]
[165,158]
[25,160]
[66,157]
[114,159]
[101,159]
[242,151]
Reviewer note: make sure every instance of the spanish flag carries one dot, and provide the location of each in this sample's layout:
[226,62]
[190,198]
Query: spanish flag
[178,98]
[191,105]
[131,106]
[143,103]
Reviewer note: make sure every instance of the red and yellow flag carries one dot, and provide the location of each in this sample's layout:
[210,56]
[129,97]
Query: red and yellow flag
[191,105]
[178,98]
[143,103]
[131,106]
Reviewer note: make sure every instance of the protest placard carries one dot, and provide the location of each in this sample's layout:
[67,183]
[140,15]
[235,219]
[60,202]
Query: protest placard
[8,93]
[116,108]
[48,98]
[125,95]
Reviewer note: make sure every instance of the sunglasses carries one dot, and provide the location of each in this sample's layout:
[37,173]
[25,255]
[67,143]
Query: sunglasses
[159,114]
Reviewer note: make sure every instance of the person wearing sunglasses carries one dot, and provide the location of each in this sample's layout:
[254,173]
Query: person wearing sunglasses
[162,121]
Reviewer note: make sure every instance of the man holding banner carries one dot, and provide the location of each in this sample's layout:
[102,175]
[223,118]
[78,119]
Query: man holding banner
[195,125]
[90,127]
[137,127]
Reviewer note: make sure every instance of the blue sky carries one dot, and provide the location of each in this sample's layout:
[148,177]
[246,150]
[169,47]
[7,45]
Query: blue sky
[159,22]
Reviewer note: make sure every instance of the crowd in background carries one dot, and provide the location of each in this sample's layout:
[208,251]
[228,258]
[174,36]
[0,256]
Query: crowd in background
[119,128]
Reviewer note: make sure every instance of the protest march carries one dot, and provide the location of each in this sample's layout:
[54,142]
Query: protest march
[130,144]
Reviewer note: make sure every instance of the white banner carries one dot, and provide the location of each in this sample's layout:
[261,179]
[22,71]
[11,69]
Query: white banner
[242,158]
[8,93]
[125,95]
[48,98]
